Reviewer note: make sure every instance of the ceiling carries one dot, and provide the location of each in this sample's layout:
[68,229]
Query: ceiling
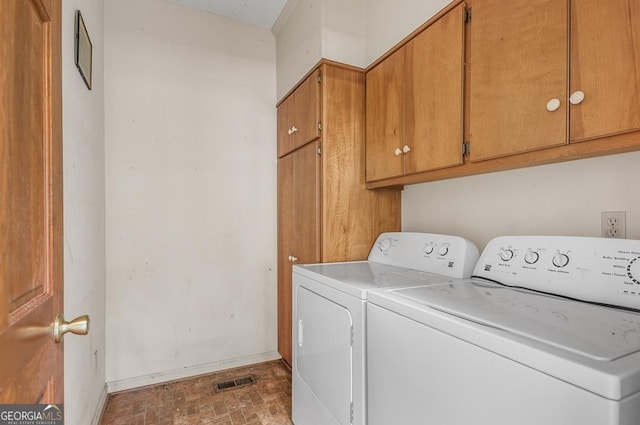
[262,13]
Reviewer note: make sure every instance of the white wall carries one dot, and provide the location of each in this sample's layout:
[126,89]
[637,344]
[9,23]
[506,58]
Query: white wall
[557,199]
[191,178]
[564,198]
[389,21]
[84,221]
[310,30]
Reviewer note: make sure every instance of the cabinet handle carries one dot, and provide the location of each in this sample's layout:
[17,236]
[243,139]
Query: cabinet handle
[398,152]
[553,105]
[406,149]
[576,97]
[293,259]
[293,129]
[289,132]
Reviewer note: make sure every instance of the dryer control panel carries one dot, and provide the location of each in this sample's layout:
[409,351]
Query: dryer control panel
[590,269]
[446,255]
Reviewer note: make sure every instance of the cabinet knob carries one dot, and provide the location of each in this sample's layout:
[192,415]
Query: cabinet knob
[406,149]
[576,97]
[293,129]
[553,105]
[294,259]
[398,152]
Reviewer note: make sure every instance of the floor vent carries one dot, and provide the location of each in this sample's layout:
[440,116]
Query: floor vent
[235,383]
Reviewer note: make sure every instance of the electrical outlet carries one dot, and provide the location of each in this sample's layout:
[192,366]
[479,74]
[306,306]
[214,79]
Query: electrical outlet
[613,224]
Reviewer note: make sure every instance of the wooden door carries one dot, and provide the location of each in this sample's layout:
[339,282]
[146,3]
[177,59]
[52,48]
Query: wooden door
[605,66]
[284,121]
[298,229]
[286,211]
[306,110]
[434,95]
[385,118]
[518,63]
[30,201]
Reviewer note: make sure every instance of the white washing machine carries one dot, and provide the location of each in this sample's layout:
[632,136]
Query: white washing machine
[500,349]
[329,323]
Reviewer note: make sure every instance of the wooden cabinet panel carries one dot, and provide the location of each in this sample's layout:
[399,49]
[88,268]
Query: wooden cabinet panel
[298,229]
[307,110]
[518,63]
[284,120]
[286,228]
[299,116]
[605,65]
[434,95]
[414,103]
[385,92]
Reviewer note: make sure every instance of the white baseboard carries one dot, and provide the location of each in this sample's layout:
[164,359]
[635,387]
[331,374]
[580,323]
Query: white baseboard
[172,375]
[100,406]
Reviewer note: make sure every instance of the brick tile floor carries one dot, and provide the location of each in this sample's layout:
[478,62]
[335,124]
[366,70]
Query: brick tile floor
[195,401]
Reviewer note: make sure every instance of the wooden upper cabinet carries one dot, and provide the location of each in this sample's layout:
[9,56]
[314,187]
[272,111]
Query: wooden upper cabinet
[299,115]
[517,71]
[605,66]
[385,118]
[415,103]
[434,95]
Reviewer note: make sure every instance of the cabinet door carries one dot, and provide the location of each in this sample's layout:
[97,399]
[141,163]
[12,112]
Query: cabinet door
[518,63]
[434,95]
[298,229]
[286,227]
[285,118]
[306,113]
[385,117]
[605,66]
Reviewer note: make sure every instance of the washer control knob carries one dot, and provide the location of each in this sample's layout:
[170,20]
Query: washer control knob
[444,249]
[633,270]
[385,244]
[531,257]
[560,260]
[506,254]
[428,248]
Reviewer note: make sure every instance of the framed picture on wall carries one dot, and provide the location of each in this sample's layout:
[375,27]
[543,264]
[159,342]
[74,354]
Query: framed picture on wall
[83,50]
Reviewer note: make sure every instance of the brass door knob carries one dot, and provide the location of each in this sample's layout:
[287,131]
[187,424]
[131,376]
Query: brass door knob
[78,326]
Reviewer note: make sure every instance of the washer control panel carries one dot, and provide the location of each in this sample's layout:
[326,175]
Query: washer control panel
[447,255]
[590,269]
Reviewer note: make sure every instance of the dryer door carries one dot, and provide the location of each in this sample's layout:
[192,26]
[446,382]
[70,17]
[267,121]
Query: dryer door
[323,347]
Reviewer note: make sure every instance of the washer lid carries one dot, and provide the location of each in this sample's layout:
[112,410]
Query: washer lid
[358,277]
[592,331]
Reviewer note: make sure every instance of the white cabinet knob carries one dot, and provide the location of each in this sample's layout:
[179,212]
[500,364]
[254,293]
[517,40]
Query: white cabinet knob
[553,105]
[406,149]
[293,129]
[289,132]
[398,152]
[576,97]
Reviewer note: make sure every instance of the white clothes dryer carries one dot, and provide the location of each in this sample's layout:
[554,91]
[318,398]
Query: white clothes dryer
[503,349]
[329,322]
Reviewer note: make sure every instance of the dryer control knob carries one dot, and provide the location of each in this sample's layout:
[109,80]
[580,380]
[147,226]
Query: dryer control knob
[633,270]
[560,260]
[444,250]
[428,248]
[384,244]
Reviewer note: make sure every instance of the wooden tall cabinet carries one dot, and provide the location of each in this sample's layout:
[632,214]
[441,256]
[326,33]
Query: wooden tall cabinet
[415,102]
[325,212]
